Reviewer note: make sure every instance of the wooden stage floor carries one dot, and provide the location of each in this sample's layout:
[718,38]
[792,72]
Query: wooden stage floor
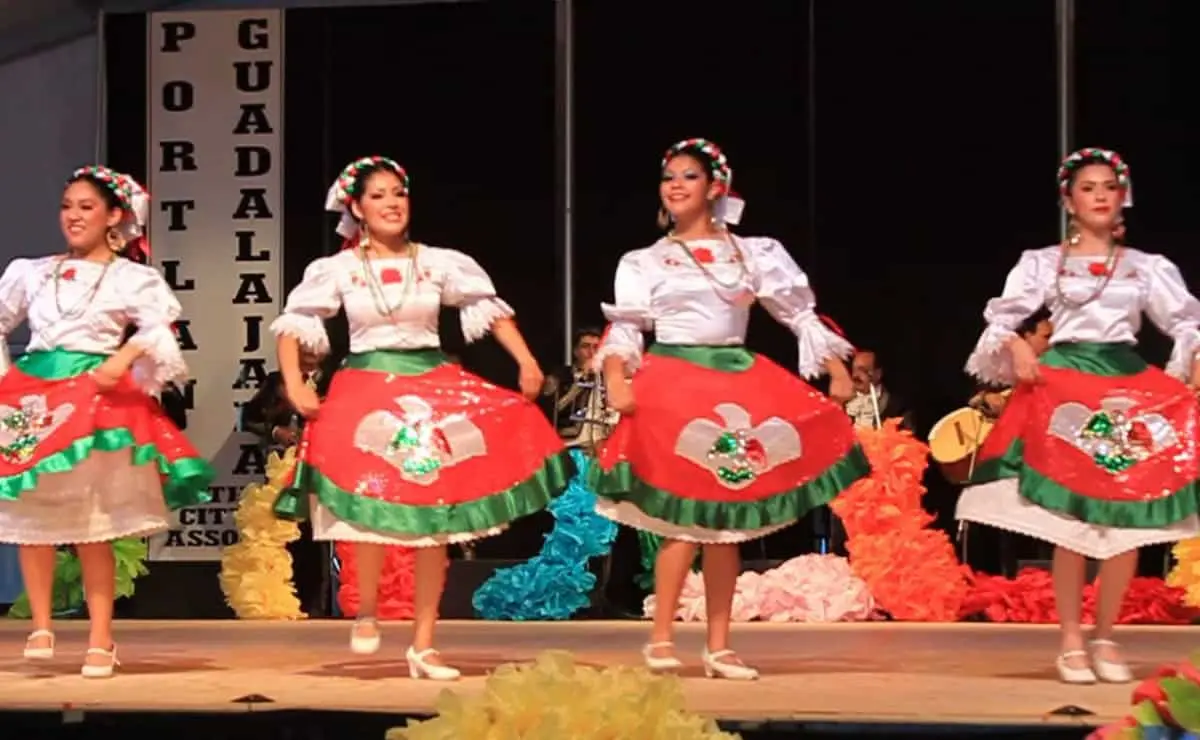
[878,672]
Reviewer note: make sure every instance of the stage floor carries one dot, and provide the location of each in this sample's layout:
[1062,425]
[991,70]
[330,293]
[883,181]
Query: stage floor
[878,672]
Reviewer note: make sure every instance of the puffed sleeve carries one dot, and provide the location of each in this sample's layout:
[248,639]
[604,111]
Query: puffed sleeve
[14,302]
[628,315]
[469,289]
[154,309]
[1175,311]
[784,290]
[310,303]
[991,360]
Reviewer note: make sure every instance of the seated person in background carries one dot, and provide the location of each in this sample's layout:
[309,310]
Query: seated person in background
[1036,330]
[866,372]
[270,416]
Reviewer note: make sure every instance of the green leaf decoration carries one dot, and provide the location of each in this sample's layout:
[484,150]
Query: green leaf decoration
[1146,715]
[1183,702]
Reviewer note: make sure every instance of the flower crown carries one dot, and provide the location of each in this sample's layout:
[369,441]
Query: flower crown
[720,169]
[1092,155]
[120,185]
[347,182]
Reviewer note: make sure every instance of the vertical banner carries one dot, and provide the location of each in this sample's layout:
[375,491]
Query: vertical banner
[215,101]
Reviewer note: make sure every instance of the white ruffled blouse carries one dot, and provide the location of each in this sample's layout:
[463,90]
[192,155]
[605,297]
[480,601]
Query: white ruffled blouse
[1141,282]
[414,294]
[70,317]
[661,289]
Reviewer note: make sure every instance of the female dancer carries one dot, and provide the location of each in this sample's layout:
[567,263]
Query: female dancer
[86,454]
[724,446]
[407,448]
[1095,451]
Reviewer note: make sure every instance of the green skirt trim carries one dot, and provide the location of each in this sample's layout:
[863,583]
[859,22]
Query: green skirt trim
[723,358]
[622,484]
[527,497]
[1106,359]
[398,361]
[1048,494]
[186,481]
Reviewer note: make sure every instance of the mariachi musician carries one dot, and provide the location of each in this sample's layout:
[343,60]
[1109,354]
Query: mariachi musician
[575,398]
[270,417]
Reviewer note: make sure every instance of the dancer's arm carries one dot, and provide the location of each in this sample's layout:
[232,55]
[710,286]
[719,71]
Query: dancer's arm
[1000,348]
[1176,312]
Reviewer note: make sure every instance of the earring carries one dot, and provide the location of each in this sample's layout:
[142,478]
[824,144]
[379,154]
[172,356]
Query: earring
[664,218]
[116,242]
[1074,236]
[364,237]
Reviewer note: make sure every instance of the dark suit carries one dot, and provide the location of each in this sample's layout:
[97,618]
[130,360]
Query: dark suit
[267,410]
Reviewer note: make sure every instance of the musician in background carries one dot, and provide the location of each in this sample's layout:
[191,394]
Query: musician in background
[1036,331]
[873,403]
[575,398]
[270,417]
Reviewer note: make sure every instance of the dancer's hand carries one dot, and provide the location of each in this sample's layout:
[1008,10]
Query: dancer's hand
[531,379]
[620,396]
[303,399]
[841,388]
[108,374]
[1025,362]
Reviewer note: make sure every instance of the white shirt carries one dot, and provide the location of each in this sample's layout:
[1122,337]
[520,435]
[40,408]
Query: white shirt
[127,293]
[439,277]
[1141,282]
[660,289]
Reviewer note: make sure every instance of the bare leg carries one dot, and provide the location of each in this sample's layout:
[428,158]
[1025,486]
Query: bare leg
[1069,570]
[722,565]
[37,571]
[1115,574]
[431,581]
[369,562]
[99,585]
[671,567]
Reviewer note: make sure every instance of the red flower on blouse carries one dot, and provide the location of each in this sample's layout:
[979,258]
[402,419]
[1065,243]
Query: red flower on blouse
[390,275]
[68,274]
[703,255]
[1099,269]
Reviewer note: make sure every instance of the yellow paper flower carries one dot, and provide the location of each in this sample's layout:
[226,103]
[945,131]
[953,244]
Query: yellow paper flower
[553,699]
[1186,573]
[256,573]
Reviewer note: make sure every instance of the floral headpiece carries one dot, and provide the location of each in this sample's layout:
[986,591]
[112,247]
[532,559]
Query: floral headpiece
[728,208]
[1093,155]
[343,190]
[134,200]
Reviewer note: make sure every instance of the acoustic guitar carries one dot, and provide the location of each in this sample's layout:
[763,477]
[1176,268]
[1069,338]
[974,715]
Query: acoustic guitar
[956,439]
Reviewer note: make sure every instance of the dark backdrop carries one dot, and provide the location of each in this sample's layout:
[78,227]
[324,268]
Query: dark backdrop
[904,152]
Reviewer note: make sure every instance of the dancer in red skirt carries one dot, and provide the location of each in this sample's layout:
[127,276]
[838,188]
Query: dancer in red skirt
[86,455]
[722,445]
[408,448]
[1096,450]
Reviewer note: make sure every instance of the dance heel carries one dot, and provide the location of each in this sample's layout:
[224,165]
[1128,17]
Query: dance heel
[1107,670]
[104,670]
[1068,674]
[656,664]
[418,668]
[39,653]
[360,645]
[714,668]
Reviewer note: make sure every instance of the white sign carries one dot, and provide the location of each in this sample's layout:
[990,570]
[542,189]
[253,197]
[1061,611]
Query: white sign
[215,100]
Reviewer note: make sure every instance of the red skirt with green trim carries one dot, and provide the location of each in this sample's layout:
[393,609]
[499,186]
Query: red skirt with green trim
[80,465]
[1116,450]
[723,446]
[422,459]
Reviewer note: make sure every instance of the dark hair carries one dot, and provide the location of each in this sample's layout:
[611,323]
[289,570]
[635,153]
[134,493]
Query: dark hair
[1087,161]
[586,331]
[1030,325]
[107,194]
[706,162]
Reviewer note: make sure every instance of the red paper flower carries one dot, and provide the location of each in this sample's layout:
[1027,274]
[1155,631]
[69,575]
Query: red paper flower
[390,276]
[1099,269]
[703,255]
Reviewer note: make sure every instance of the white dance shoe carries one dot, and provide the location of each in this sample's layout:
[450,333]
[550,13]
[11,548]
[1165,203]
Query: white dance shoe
[364,645]
[669,663]
[101,670]
[714,668]
[1070,674]
[39,653]
[1107,670]
[418,668]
